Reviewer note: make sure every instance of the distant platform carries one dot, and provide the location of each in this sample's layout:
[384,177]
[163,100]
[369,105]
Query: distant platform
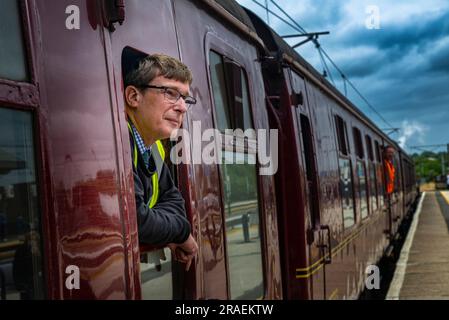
[422,271]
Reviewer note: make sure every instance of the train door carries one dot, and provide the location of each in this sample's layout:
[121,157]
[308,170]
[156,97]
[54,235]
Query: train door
[158,277]
[239,182]
[391,200]
[318,236]
[239,252]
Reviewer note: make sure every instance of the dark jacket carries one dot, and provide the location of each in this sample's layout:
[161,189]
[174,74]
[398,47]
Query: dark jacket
[166,222]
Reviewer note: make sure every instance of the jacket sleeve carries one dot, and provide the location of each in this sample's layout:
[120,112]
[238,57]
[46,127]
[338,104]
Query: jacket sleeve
[166,222]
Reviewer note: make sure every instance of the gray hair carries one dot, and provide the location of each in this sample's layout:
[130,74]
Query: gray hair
[156,65]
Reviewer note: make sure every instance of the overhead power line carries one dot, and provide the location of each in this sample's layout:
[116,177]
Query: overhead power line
[274,14]
[295,25]
[301,29]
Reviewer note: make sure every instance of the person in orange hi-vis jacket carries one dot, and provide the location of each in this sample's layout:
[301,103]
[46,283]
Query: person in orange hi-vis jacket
[389,169]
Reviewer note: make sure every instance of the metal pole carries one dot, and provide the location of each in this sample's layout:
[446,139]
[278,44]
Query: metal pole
[245,225]
[442,165]
[447,154]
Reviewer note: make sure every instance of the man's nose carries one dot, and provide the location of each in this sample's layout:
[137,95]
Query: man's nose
[181,106]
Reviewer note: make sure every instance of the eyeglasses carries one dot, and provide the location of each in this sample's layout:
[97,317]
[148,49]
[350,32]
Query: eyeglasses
[172,94]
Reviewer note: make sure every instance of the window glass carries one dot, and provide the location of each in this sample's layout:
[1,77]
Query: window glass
[219,91]
[341,135]
[361,174]
[397,180]
[13,64]
[229,80]
[21,275]
[376,149]
[346,191]
[239,178]
[242,226]
[369,148]
[358,143]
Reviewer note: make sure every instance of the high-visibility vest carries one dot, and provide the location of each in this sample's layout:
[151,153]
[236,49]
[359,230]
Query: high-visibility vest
[158,153]
[390,176]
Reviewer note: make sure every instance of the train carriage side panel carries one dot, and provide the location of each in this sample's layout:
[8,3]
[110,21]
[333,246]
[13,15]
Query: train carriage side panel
[210,44]
[91,216]
[148,27]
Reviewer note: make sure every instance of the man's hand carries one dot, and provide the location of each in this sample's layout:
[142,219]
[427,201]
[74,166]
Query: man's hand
[185,252]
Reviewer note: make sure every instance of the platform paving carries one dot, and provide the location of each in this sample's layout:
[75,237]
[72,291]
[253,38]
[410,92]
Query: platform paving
[423,267]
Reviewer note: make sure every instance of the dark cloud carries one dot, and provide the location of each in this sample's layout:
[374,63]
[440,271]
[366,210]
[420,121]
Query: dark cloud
[418,31]
[439,60]
[370,64]
[322,16]
[402,68]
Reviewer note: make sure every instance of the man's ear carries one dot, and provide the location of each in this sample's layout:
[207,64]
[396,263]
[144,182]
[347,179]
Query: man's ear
[132,96]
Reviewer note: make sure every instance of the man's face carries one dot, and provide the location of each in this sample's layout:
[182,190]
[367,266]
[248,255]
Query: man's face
[389,154]
[156,116]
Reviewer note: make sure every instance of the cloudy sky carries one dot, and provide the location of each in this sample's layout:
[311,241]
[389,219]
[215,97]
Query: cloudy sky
[402,68]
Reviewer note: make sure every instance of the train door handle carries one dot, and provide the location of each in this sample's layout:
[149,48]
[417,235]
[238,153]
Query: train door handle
[328,258]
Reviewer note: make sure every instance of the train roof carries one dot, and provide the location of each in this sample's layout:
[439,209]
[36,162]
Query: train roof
[274,43]
[237,11]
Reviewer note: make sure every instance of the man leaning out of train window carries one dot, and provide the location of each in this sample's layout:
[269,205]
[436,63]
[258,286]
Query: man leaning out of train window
[156,99]
[389,169]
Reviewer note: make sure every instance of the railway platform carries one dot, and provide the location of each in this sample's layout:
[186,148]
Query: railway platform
[422,271]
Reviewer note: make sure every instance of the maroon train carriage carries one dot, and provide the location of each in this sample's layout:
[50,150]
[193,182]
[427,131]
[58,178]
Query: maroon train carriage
[334,222]
[67,208]
[64,116]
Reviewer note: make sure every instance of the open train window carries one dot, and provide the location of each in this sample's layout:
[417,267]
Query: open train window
[342,136]
[346,177]
[239,181]
[158,271]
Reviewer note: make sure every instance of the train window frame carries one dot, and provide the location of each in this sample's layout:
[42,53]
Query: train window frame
[361,166]
[369,147]
[157,260]
[379,167]
[361,171]
[372,180]
[397,179]
[377,151]
[235,78]
[237,142]
[311,168]
[24,95]
[358,142]
[345,158]
[342,135]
